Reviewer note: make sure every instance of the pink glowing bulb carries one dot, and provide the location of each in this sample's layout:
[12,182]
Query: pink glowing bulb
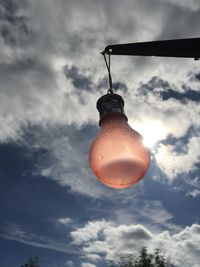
[117,157]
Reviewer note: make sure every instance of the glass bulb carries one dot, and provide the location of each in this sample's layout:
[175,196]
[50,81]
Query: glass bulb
[117,156]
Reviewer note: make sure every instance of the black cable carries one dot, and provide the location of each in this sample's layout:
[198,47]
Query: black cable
[108,63]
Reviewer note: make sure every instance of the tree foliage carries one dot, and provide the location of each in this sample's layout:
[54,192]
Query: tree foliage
[32,262]
[145,259]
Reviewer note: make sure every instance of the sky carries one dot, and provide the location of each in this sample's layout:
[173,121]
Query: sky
[51,75]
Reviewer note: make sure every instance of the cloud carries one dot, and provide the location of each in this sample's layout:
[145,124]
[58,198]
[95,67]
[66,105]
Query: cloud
[53,75]
[104,240]
[79,80]
[65,221]
[193,5]
[86,264]
[188,95]
[93,257]
[111,237]
[194,183]
[153,214]
[18,233]
[194,193]
[31,84]
[69,263]
[179,152]
[67,146]
[14,27]
[174,163]
[34,87]
[89,232]
[166,90]
[67,161]
[113,241]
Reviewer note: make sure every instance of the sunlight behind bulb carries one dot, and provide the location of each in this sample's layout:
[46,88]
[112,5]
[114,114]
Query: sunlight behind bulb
[152,132]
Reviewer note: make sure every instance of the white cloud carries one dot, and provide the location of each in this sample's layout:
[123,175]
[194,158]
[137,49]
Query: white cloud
[194,193]
[68,160]
[19,234]
[89,232]
[153,214]
[174,163]
[157,120]
[86,264]
[93,257]
[104,240]
[69,263]
[181,248]
[66,221]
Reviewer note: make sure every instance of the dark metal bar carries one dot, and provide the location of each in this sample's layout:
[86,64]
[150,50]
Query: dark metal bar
[189,48]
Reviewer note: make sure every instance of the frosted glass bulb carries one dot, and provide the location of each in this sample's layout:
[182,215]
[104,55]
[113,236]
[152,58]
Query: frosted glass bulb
[117,157]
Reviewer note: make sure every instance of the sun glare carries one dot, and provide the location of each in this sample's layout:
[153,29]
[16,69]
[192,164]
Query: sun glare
[152,132]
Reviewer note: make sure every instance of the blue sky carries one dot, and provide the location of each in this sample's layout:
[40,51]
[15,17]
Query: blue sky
[51,75]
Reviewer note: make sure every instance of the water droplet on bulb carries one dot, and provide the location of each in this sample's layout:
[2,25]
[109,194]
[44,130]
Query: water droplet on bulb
[124,131]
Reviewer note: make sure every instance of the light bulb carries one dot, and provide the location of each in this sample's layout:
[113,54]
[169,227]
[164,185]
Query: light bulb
[117,156]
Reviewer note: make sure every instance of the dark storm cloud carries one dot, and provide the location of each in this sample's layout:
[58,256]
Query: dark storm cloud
[16,77]
[117,86]
[197,76]
[167,91]
[79,80]
[180,21]
[22,67]
[82,81]
[152,85]
[13,27]
[189,95]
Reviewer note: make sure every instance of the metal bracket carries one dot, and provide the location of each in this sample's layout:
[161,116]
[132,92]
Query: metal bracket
[186,48]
